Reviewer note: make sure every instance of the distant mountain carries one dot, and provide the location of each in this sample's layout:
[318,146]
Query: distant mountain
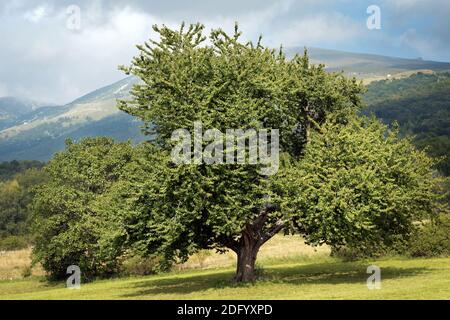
[40,133]
[29,131]
[368,66]
[12,108]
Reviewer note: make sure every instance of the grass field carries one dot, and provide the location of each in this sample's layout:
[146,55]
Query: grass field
[290,270]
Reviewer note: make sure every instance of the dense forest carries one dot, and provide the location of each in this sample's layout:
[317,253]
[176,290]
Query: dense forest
[421,106]
[9,169]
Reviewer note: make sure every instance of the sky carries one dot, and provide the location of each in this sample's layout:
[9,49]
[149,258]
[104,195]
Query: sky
[55,51]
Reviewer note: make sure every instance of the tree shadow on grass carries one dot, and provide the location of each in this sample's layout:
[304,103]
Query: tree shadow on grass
[335,273]
[184,284]
[309,274]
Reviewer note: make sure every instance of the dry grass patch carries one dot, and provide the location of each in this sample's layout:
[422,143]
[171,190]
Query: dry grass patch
[279,247]
[15,264]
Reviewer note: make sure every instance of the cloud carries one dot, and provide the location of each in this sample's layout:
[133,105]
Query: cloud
[55,63]
[3,90]
[317,29]
[42,59]
[421,26]
[37,14]
[52,63]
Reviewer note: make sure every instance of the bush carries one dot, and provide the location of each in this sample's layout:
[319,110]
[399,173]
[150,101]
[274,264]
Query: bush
[140,266]
[432,239]
[13,243]
[27,271]
[201,257]
[375,250]
[70,222]
[260,272]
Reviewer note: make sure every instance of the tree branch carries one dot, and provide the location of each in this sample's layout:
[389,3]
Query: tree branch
[277,227]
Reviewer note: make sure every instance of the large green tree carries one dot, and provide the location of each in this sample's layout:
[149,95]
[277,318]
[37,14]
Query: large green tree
[226,83]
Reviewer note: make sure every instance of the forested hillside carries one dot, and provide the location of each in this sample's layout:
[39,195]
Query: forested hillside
[421,106]
[10,169]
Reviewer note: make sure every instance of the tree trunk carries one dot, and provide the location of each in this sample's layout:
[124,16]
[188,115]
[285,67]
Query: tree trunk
[247,247]
[246,259]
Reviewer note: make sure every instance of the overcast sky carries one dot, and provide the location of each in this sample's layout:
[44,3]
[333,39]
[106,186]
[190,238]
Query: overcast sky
[42,59]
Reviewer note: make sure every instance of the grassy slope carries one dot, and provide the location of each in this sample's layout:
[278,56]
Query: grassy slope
[291,271]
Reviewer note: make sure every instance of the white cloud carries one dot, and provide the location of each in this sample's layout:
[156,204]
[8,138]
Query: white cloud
[316,29]
[425,47]
[44,60]
[60,65]
[38,13]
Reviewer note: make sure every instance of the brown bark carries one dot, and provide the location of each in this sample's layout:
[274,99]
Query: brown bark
[246,259]
[253,237]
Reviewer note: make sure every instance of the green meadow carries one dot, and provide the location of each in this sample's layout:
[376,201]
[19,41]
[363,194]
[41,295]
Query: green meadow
[283,274]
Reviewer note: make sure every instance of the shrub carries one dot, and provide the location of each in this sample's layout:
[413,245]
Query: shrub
[70,224]
[13,243]
[260,272]
[27,271]
[140,266]
[202,256]
[432,239]
[398,246]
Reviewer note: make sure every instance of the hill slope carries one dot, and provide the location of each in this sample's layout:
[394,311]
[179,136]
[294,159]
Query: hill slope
[39,134]
[11,109]
[368,66]
[421,105]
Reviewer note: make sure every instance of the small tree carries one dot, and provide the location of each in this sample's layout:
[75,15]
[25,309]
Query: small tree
[70,228]
[175,210]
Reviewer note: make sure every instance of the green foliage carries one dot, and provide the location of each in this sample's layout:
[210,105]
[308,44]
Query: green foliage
[229,84]
[9,169]
[432,239]
[226,84]
[139,266]
[15,196]
[344,181]
[69,228]
[359,186]
[420,104]
[11,243]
